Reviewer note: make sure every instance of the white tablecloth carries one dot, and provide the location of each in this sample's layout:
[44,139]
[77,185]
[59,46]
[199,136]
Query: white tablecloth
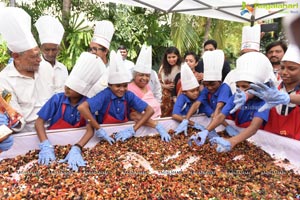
[277,146]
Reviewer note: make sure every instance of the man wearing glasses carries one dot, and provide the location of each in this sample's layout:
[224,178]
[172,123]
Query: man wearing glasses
[99,46]
[22,76]
[100,43]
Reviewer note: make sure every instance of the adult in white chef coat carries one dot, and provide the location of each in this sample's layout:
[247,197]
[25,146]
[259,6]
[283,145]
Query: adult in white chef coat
[51,33]
[99,45]
[21,77]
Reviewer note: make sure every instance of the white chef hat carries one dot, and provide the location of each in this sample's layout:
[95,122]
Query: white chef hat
[188,79]
[251,37]
[144,61]
[118,73]
[86,72]
[230,80]
[15,27]
[50,30]
[292,54]
[254,67]
[103,33]
[213,62]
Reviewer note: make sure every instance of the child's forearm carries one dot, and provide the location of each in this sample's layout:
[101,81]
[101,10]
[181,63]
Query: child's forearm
[145,117]
[177,117]
[40,129]
[87,136]
[216,121]
[193,109]
[87,115]
[295,99]
[247,132]
[218,109]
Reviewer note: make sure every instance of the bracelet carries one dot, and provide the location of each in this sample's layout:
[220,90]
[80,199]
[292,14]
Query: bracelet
[78,145]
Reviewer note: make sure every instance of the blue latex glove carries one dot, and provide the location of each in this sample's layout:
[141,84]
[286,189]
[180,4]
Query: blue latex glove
[3,119]
[240,99]
[74,159]
[182,127]
[212,134]
[125,134]
[271,95]
[231,131]
[163,133]
[222,144]
[46,154]
[7,143]
[199,127]
[199,138]
[100,133]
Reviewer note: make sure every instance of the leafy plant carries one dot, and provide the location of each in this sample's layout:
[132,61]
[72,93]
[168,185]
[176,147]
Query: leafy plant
[4,56]
[134,26]
[77,40]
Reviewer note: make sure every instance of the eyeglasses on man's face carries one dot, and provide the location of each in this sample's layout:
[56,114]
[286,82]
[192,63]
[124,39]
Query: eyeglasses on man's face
[95,49]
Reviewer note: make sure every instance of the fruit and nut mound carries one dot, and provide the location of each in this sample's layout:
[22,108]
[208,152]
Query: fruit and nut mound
[147,168]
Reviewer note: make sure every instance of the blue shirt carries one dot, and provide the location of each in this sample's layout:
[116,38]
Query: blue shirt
[248,111]
[52,110]
[183,105]
[222,94]
[99,103]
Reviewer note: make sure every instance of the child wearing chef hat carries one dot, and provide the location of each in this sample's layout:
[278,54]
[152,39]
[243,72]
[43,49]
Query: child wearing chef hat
[190,93]
[51,33]
[283,100]
[140,87]
[248,115]
[114,103]
[60,111]
[215,93]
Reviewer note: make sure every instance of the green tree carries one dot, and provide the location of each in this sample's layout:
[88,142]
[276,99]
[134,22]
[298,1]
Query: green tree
[134,27]
[4,56]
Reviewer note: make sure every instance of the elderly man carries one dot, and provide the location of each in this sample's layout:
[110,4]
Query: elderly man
[51,33]
[21,77]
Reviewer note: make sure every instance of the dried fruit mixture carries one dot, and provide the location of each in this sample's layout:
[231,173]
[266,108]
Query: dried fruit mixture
[147,168]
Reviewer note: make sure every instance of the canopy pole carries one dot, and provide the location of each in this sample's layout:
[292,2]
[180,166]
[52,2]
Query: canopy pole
[252,20]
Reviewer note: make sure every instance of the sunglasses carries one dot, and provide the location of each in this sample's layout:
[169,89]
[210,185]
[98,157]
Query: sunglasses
[95,49]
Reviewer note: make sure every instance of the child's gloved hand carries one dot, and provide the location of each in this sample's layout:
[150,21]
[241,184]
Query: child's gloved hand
[231,131]
[7,143]
[101,133]
[222,144]
[198,138]
[271,95]
[163,133]
[240,99]
[182,127]
[74,159]
[125,134]
[199,127]
[46,154]
[212,134]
